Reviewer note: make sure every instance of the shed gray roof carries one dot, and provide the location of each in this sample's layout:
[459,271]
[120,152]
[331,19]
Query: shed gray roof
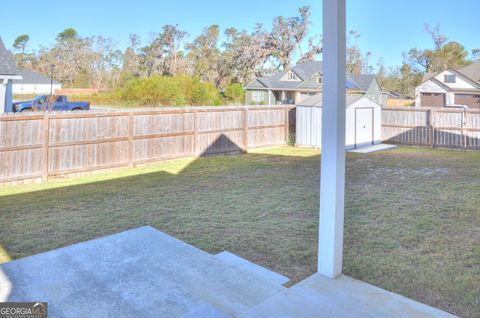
[31,77]
[305,71]
[317,100]
[7,63]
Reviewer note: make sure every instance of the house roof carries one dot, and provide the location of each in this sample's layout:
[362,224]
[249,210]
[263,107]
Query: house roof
[428,76]
[360,82]
[317,100]
[31,77]
[7,63]
[472,71]
[305,71]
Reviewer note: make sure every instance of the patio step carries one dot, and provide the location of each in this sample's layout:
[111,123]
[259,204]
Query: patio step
[136,273]
[252,268]
[342,297]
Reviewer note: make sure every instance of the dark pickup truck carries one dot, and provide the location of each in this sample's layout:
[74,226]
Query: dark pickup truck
[47,102]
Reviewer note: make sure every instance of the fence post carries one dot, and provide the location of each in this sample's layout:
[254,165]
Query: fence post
[464,134]
[195,132]
[245,129]
[432,127]
[287,128]
[130,138]
[46,137]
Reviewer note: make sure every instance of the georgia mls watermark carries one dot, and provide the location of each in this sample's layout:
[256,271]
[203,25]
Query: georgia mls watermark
[23,310]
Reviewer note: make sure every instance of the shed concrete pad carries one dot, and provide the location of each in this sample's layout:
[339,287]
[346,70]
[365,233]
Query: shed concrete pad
[374,148]
[342,297]
[137,273]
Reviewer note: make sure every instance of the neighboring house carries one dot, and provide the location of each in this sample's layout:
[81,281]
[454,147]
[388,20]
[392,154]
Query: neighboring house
[301,81]
[450,87]
[362,115]
[8,72]
[34,83]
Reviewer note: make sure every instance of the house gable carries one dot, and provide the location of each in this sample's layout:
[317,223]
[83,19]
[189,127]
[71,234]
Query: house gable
[312,83]
[374,92]
[460,80]
[432,86]
[290,76]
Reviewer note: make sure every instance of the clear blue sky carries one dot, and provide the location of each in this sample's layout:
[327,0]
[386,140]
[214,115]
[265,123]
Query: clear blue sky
[387,27]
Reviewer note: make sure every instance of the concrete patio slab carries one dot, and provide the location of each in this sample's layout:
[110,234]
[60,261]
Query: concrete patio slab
[136,273]
[243,264]
[374,148]
[342,297]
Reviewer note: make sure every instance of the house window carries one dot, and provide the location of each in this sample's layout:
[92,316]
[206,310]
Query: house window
[319,80]
[449,78]
[257,96]
[292,76]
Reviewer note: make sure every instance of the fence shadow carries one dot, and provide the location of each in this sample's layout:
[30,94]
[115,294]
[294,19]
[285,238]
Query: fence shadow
[222,145]
[430,137]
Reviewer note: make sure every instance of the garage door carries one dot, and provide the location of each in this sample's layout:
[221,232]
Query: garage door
[363,127]
[472,101]
[432,99]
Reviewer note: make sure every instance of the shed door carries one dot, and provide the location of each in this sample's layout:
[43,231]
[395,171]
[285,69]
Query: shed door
[363,127]
[432,99]
[470,100]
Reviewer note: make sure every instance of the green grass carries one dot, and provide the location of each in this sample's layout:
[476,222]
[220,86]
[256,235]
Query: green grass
[412,222]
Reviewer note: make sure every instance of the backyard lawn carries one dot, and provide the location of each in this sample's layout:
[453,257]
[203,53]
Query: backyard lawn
[412,222]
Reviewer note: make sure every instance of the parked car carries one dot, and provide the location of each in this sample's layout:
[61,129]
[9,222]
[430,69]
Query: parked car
[47,102]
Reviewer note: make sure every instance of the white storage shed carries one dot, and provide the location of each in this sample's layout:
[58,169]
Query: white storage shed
[363,122]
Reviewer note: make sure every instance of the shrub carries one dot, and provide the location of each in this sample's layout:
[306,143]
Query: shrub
[171,91]
[234,93]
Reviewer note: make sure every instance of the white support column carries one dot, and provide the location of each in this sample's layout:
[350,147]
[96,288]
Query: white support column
[332,183]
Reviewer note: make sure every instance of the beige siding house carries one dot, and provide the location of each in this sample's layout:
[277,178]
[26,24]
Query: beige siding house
[450,87]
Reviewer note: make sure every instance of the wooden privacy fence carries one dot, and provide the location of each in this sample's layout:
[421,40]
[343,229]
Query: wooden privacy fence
[434,127]
[39,145]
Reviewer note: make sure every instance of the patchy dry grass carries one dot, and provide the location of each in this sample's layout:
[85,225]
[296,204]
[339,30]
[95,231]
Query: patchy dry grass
[412,222]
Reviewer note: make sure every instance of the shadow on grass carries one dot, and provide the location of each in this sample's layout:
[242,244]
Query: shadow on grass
[405,223]
[244,204]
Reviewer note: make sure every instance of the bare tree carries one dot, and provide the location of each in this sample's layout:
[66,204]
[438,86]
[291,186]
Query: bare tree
[287,35]
[204,55]
[170,40]
[315,48]
[439,39]
[357,62]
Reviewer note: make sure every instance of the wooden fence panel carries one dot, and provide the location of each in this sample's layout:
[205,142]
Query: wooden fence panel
[406,126]
[267,127]
[20,153]
[472,119]
[439,127]
[162,148]
[220,131]
[44,144]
